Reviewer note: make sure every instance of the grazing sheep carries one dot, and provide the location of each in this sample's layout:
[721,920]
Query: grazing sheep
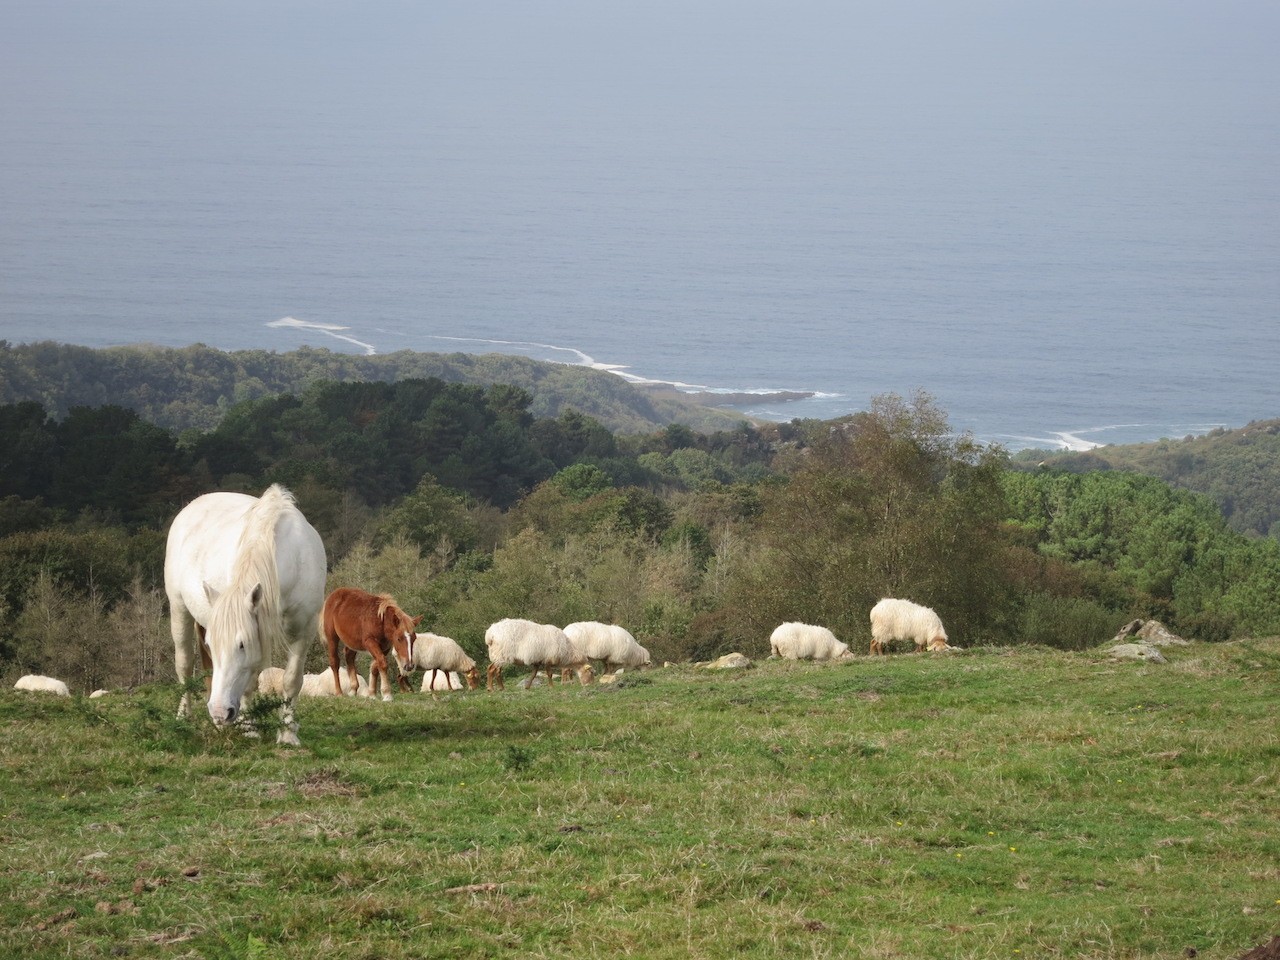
[440,655]
[612,645]
[903,620]
[37,684]
[538,645]
[804,641]
[271,682]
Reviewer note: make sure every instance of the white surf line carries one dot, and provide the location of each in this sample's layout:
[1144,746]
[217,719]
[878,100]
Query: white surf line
[328,329]
[583,359]
[1071,441]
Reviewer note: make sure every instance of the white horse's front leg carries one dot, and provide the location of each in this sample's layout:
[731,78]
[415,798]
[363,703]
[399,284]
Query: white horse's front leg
[293,668]
[183,630]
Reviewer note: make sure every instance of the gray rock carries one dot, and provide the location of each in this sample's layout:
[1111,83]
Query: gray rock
[1157,634]
[1151,632]
[730,661]
[1137,651]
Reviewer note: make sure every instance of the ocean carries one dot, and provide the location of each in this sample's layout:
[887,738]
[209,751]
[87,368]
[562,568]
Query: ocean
[1060,220]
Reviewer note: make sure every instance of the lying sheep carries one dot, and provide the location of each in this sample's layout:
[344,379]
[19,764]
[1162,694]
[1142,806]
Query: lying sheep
[612,645]
[440,655]
[903,620]
[447,680]
[804,641]
[271,682]
[35,683]
[538,645]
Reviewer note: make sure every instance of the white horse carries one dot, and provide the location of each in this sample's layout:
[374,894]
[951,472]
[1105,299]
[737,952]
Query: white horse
[243,572]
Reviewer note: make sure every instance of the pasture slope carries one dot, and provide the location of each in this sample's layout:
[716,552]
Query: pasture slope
[991,804]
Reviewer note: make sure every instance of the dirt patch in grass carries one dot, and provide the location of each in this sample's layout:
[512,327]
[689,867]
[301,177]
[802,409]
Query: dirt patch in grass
[1265,951]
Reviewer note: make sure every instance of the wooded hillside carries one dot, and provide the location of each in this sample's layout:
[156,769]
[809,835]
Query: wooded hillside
[1238,469]
[195,386]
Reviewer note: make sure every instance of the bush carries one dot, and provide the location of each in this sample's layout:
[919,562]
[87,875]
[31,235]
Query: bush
[1067,623]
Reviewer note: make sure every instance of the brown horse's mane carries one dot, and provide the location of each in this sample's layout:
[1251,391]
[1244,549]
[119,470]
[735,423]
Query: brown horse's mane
[385,602]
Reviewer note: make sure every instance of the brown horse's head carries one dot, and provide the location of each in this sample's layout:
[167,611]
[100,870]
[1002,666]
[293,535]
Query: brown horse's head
[398,629]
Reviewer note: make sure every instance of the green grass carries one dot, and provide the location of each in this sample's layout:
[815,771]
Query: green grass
[1009,804]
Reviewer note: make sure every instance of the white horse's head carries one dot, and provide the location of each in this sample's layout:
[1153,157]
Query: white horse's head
[235,647]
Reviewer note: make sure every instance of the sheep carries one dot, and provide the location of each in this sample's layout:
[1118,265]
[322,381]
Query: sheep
[447,680]
[804,641]
[35,683]
[271,682]
[612,645]
[538,645]
[321,685]
[903,620]
[440,655]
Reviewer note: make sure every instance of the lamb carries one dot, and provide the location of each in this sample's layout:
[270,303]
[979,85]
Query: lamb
[804,641]
[35,683]
[440,655]
[538,645]
[903,620]
[271,681]
[447,680]
[614,646]
[321,685]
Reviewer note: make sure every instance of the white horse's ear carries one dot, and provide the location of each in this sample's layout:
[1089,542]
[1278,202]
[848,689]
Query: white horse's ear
[210,594]
[255,596]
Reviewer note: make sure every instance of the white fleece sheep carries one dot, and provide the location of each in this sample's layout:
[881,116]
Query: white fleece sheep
[614,646]
[903,620]
[538,645]
[442,655]
[804,641]
[446,680]
[35,683]
[271,682]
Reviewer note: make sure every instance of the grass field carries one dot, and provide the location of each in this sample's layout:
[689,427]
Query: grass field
[1006,803]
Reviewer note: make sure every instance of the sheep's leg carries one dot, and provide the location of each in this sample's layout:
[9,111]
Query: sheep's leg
[493,675]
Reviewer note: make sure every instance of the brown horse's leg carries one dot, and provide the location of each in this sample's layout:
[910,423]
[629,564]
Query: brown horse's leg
[351,672]
[384,676]
[331,645]
[349,656]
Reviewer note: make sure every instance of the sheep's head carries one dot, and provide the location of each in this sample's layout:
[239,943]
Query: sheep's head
[473,678]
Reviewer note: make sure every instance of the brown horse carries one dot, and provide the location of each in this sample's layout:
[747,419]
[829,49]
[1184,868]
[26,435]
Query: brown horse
[367,621]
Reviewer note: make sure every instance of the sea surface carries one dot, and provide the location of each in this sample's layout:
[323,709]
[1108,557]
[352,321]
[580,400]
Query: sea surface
[1060,220]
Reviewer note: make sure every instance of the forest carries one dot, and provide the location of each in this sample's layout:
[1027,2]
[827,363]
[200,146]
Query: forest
[465,504]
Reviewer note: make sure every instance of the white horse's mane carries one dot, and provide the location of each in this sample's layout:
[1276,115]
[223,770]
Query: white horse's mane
[255,564]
